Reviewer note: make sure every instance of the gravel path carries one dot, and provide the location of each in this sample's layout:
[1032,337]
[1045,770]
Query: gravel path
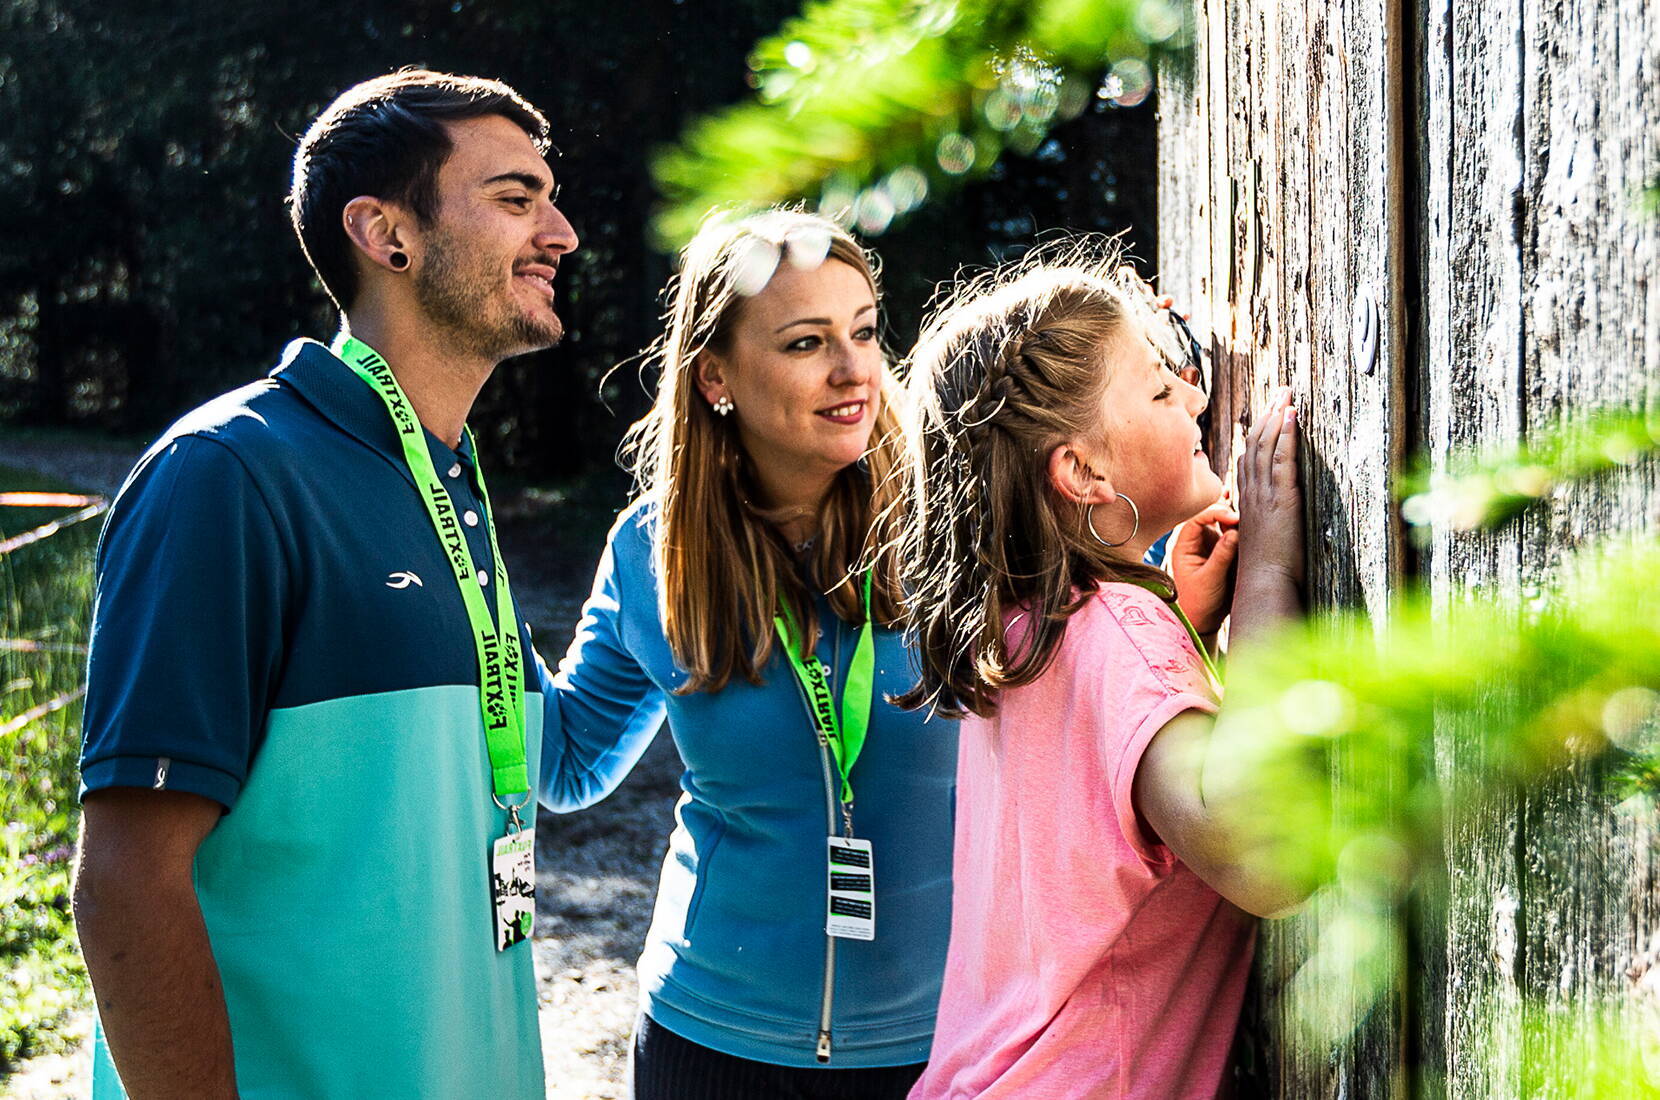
[596,870]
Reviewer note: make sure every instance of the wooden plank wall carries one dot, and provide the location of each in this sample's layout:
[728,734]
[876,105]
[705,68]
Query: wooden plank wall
[1541,284]
[1473,170]
[1280,226]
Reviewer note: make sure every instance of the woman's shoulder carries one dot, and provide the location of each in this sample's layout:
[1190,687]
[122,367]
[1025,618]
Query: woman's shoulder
[629,546]
[635,527]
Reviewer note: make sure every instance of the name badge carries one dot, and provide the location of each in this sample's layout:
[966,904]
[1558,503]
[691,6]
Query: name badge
[513,886]
[851,908]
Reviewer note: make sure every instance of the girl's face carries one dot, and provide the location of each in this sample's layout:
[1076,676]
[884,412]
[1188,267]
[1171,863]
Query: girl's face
[1155,451]
[803,369]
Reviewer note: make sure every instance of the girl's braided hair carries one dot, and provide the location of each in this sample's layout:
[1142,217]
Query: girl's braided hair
[1011,365]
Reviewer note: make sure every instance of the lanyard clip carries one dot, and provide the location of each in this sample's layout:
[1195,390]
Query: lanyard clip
[847,820]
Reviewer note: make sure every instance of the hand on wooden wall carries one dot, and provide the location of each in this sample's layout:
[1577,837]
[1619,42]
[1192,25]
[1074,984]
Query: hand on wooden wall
[1270,522]
[1202,557]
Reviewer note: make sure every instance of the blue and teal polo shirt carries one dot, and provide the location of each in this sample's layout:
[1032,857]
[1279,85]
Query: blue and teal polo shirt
[276,628]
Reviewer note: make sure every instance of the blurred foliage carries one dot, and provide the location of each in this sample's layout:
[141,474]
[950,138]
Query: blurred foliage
[1349,722]
[146,261]
[866,106]
[1485,491]
[45,611]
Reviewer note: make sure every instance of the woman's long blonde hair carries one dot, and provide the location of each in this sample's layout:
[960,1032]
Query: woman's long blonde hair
[724,568]
[1013,364]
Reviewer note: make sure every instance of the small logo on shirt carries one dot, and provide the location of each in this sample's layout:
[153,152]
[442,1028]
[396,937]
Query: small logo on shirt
[162,764]
[403,580]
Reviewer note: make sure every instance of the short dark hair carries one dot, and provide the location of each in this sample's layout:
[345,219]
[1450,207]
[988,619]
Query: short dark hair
[385,137]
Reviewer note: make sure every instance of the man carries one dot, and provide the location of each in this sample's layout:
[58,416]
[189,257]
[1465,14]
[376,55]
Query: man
[309,727]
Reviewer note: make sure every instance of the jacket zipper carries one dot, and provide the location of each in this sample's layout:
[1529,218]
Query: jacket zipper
[832,799]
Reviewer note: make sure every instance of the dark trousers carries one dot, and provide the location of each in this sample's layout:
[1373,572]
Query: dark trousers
[664,1066]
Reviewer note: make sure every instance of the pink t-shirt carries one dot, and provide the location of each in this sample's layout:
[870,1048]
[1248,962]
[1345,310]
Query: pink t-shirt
[1086,960]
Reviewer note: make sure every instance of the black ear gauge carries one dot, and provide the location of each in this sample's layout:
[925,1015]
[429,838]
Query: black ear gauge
[398,260]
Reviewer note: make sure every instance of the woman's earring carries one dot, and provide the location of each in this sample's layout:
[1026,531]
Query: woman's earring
[398,260]
[1135,514]
[723,405]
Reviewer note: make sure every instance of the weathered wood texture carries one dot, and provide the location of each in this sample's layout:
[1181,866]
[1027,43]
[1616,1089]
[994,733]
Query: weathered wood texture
[1541,297]
[1473,168]
[1281,228]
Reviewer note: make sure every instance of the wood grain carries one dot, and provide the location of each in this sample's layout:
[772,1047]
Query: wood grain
[1303,151]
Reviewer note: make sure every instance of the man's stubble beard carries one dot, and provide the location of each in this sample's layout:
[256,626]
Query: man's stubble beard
[460,301]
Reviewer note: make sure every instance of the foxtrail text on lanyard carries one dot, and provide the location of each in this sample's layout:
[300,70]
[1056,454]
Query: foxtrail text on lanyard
[500,657]
[843,732]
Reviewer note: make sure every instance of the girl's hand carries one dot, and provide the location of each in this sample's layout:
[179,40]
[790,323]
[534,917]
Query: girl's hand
[1202,556]
[1270,521]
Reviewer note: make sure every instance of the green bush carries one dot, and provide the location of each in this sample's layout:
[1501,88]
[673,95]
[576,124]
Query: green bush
[45,608]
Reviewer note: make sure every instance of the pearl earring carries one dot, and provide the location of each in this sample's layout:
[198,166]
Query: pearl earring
[723,405]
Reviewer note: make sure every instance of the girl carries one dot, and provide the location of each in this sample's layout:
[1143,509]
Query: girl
[1098,946]
[729,601]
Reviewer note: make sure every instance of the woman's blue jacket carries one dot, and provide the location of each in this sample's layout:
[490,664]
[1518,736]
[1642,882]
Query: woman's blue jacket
[737,958]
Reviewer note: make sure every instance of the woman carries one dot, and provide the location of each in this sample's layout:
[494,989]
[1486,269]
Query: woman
[774,966]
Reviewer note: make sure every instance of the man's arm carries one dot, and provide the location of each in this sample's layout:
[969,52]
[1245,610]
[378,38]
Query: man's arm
[146,948]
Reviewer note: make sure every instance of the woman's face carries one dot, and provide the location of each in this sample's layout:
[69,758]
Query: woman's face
[803,370]
[1155,451]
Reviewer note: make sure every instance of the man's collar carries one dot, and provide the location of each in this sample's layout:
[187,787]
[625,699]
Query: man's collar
[330,387]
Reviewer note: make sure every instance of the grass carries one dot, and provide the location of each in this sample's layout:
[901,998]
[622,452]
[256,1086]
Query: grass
[45,604]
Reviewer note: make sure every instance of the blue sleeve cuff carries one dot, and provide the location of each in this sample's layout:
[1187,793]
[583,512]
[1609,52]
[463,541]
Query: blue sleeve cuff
[161,773]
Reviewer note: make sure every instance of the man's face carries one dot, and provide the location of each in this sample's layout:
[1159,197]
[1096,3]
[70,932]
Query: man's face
[489,257]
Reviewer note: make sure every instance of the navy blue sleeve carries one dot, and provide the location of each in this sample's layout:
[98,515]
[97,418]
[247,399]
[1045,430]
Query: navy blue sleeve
[186,627]
[601,709]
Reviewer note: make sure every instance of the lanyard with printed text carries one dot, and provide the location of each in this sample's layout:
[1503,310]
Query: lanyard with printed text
[500,660]
[844,733]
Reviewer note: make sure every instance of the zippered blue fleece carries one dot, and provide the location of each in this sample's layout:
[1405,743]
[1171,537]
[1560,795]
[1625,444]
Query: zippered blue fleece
[736,957]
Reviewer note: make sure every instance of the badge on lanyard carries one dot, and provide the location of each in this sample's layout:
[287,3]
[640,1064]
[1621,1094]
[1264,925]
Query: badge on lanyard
[501,666]
[513,886]
[851,911]
[850,881]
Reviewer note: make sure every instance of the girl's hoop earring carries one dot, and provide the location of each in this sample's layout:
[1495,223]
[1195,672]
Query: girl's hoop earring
[1135,514]
[723,405]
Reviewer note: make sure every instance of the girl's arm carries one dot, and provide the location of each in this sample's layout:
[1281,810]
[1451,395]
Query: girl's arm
[1196,819]
[1200,827]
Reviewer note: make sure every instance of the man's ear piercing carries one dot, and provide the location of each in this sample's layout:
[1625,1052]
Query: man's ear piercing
[398,260]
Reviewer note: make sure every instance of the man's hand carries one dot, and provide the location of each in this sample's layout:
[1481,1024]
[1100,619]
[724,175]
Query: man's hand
[146,948]
[1202,555]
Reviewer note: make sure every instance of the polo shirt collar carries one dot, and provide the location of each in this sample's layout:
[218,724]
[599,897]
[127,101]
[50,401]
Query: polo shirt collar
[331,387]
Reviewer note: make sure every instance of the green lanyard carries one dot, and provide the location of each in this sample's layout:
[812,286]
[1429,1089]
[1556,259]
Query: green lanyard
[501,692]
[845,734]
[1211,667]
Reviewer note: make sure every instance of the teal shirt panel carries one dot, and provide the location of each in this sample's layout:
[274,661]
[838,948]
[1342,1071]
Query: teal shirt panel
[415,997]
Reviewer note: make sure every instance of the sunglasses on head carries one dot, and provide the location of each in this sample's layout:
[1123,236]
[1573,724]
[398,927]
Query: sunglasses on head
[755,259]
